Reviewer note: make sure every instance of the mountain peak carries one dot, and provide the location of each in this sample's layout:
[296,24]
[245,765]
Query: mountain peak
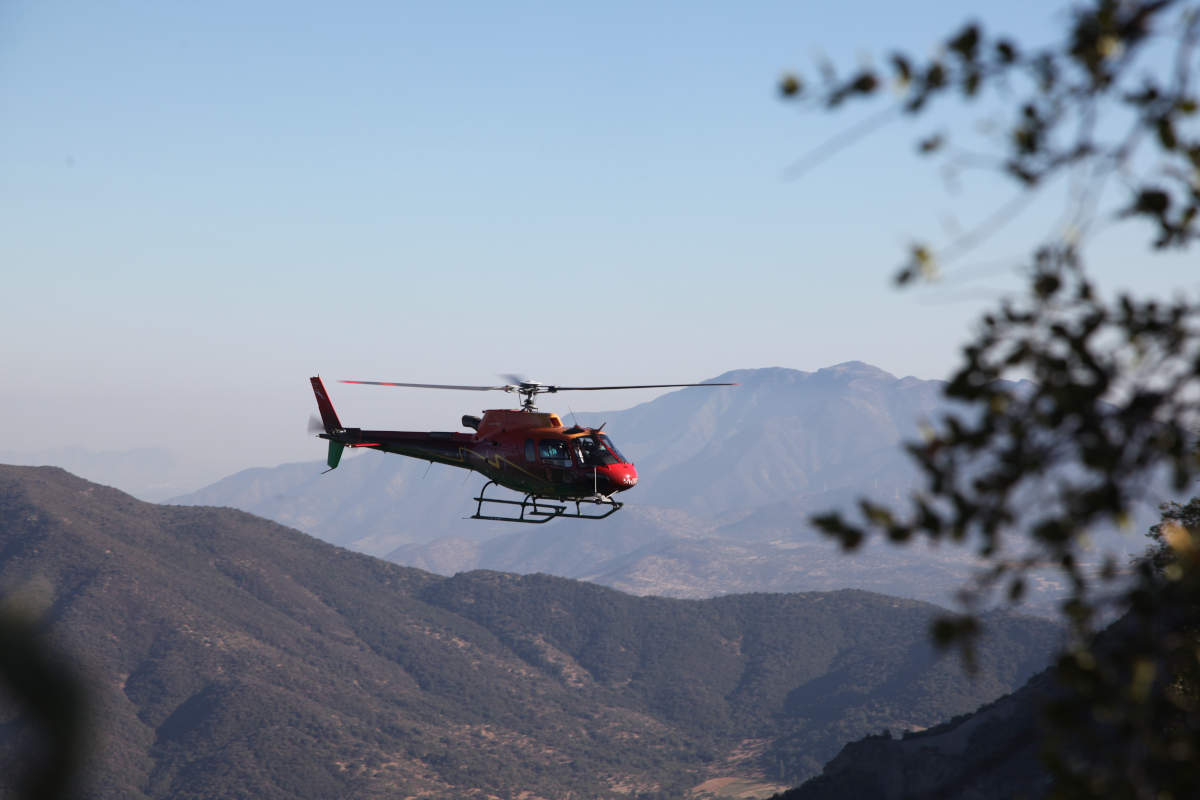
[856,370]
[845,371]
[760,374]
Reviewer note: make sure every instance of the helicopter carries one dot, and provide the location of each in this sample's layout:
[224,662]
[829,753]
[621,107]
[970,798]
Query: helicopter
[524,450]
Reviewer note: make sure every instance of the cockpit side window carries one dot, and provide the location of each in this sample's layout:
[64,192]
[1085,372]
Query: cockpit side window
[530,452]
[554,451]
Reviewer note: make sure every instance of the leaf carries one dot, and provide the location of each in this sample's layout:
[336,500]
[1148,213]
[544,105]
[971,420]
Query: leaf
[924,261]
[971,83]
[935,76]
[865,83]
[1166,133]
[930,144]
[1046,285]
[966,43]
[1151,201]
[791,86]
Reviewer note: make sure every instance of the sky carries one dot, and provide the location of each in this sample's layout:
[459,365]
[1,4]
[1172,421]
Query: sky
[203,204]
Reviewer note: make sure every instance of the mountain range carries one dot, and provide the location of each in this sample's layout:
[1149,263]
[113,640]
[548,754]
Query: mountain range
[728,481]
[227,655]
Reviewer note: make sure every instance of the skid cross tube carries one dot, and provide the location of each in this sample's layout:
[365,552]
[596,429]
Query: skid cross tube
[536,509]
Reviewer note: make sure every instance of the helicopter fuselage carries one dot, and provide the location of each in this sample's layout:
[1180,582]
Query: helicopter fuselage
[527,451]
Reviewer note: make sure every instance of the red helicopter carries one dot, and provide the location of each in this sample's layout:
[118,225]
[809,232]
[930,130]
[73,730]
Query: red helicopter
[523,449]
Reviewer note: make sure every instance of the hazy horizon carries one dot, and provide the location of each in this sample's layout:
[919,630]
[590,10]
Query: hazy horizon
[156,474]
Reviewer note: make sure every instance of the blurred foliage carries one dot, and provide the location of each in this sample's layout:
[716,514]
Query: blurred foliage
[1119,86]
[1128,721]
[51,711]
[1074,404]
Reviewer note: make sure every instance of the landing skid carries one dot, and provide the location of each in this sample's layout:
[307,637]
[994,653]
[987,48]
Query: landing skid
[536,509]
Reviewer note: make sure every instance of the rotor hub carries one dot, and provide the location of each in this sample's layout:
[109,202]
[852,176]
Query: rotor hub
[529,390]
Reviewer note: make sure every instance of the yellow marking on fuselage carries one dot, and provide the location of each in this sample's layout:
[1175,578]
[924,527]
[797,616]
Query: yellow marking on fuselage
[495,460]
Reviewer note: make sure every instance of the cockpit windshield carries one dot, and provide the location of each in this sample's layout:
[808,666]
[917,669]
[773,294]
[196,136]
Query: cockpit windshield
[596,451]
[612,448]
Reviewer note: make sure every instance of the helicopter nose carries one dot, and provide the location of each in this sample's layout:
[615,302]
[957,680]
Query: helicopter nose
[623,476]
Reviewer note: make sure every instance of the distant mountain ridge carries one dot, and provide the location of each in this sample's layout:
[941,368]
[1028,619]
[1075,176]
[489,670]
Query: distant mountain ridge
[780,434]
[229,655]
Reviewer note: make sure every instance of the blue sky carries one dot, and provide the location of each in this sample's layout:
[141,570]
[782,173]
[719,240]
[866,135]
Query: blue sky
[205,203]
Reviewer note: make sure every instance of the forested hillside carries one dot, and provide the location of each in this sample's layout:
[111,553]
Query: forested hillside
[229,655]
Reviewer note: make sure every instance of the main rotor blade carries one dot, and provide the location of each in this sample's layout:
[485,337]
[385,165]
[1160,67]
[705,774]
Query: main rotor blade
[433,386]
[644,386]
[532,388]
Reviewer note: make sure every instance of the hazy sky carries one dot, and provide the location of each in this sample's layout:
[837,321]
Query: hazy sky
[205,203]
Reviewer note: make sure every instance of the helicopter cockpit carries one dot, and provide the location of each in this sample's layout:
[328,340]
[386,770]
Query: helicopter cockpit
[596,450]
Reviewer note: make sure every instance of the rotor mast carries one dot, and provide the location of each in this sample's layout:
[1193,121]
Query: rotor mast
[529,390]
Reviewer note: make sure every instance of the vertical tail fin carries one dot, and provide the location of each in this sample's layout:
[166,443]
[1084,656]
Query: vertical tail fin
[335,454]
[333,425]
[328,415]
